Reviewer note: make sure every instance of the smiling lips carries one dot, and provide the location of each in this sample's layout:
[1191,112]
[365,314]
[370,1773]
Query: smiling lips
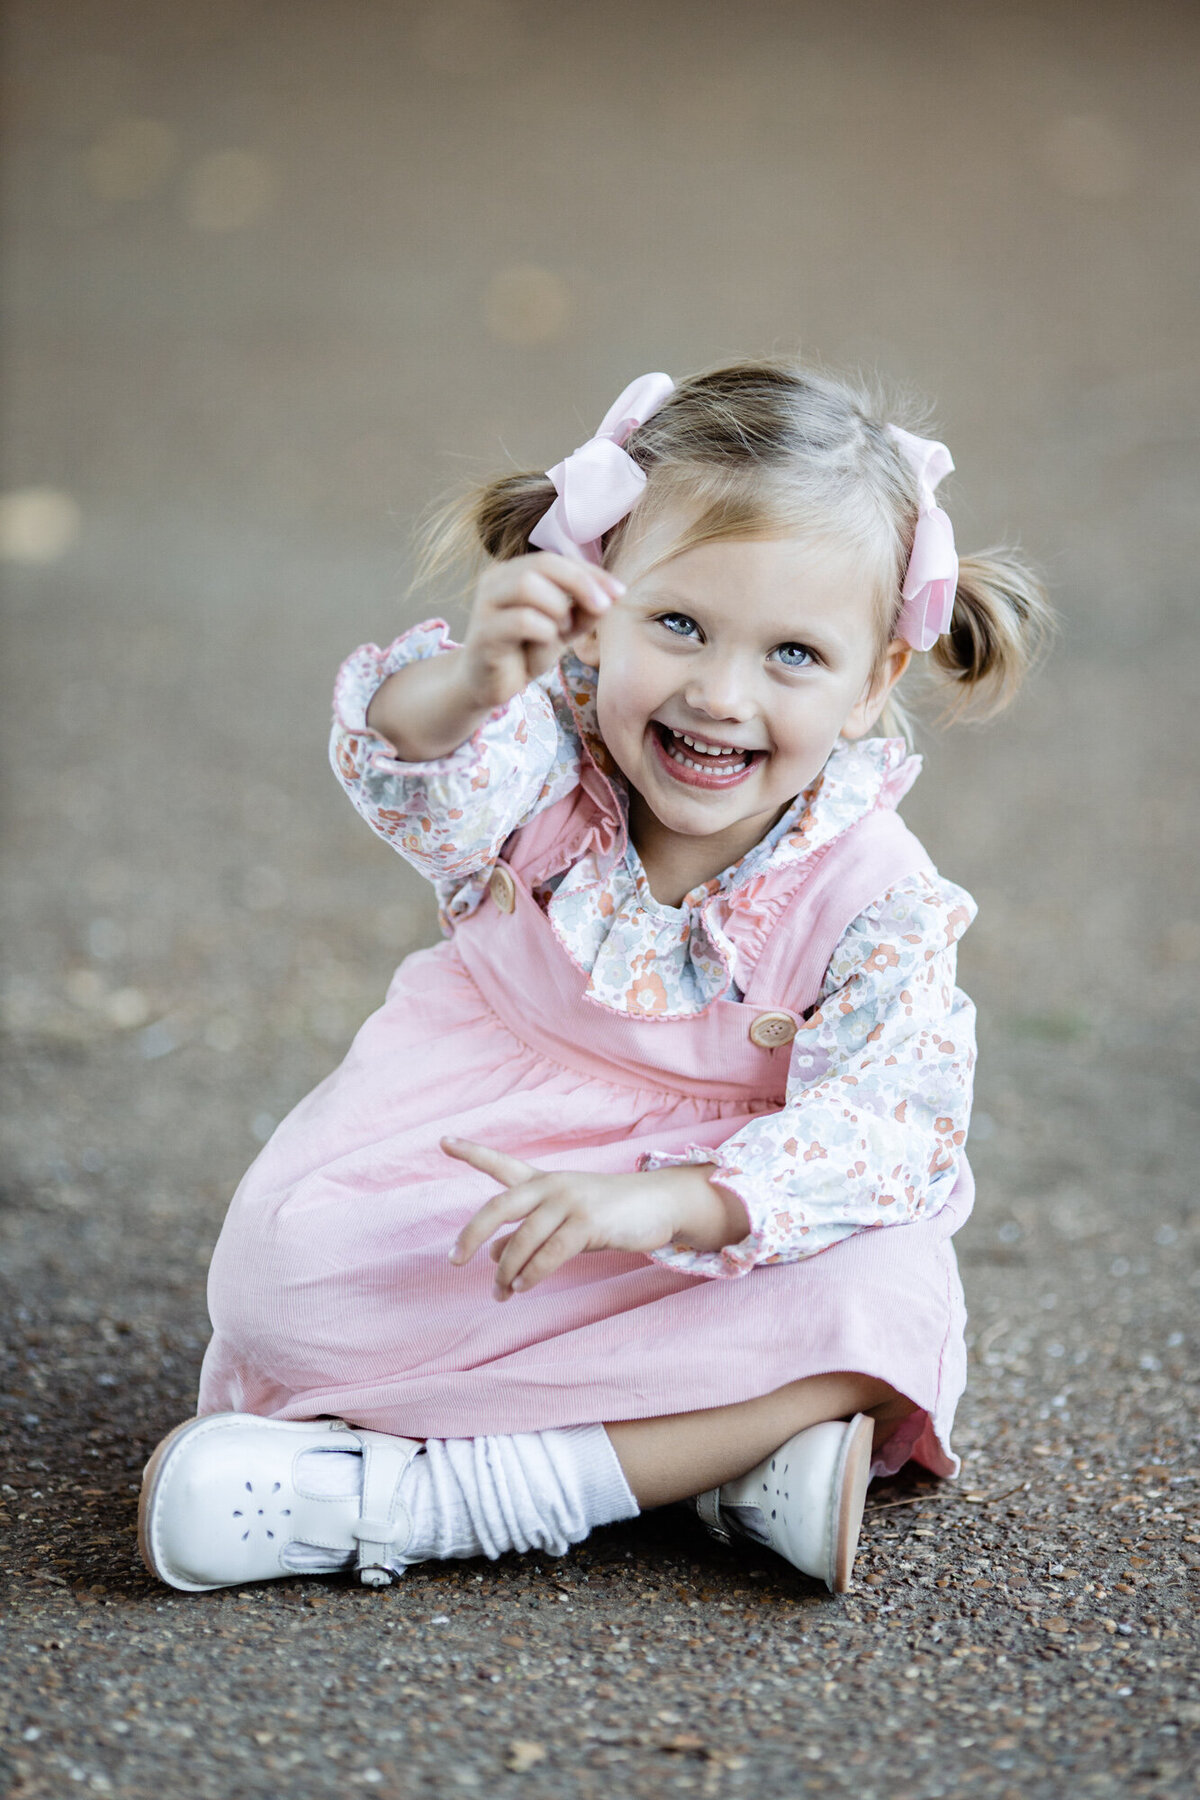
[700,763]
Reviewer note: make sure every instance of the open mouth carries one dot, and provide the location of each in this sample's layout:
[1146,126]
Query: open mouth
[699,762]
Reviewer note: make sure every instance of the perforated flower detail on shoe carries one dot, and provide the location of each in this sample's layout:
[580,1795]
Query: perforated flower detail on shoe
[261,1513]
[780,1490]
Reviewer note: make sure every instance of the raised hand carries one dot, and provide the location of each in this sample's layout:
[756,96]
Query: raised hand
[526,613]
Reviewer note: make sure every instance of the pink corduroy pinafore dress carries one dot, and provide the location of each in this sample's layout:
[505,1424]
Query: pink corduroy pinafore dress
[331,1292]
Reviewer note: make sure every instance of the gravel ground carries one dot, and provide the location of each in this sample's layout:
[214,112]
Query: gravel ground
[276,276]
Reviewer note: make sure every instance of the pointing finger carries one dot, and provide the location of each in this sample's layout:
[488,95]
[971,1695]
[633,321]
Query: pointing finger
[497,1163]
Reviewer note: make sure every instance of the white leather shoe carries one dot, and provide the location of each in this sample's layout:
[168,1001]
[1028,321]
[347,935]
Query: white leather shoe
[804,1501]
[223,1499]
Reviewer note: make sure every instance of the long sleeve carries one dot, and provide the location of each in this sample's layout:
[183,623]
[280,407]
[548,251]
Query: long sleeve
[448,817]
[879,1093]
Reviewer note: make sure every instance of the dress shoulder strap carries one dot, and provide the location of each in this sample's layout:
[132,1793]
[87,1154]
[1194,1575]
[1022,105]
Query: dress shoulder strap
[844,878]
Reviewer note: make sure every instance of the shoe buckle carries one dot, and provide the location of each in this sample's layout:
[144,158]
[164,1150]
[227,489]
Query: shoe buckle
[376,1575]
[708,1509]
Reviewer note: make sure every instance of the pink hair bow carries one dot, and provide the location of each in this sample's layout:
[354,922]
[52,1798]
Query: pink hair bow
[600,482]
[932,576]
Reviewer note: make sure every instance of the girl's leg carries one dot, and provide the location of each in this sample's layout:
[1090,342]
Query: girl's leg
[458,1497]
[673,1458]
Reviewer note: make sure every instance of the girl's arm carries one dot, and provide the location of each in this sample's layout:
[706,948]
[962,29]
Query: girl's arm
[447,749]
[450,815]
[879,1095]
[426,710]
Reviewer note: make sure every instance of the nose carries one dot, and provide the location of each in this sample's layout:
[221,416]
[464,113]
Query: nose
[720,689]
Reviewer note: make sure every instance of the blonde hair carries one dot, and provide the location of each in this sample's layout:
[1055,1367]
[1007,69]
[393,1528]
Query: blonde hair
[766,445]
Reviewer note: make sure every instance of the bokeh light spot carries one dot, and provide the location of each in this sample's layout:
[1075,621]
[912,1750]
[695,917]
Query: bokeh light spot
[526,305]
[130,159]
[127,1008]
[467,37]
[229,190]
[1089,158]
[37,524]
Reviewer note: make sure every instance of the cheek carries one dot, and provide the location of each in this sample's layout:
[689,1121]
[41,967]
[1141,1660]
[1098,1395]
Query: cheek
[800,732]
[624,698]
[613,711]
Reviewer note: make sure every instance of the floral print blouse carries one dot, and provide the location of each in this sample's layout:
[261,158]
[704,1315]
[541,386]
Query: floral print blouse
[879,1087]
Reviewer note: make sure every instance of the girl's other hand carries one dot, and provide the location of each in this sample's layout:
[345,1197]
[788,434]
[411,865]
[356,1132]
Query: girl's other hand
[565,1213]
[527,611]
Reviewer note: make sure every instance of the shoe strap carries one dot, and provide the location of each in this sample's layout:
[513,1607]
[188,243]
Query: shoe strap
[383,1517]
[708,1507]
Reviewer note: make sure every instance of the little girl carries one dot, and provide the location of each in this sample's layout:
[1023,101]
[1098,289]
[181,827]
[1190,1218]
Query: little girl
[691,1062]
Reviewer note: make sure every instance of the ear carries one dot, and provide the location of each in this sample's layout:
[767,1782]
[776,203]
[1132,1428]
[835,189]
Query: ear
[870,703]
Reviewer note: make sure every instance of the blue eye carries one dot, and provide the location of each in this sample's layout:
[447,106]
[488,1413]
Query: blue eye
[678,624]
[794,656]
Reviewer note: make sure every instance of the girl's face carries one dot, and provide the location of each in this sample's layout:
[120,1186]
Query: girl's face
[728,673]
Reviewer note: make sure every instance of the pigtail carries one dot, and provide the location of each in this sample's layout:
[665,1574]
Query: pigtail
[506,511]
[493,521]
[1001,626]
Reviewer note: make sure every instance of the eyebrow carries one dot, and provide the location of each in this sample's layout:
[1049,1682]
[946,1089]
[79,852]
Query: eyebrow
[823,635]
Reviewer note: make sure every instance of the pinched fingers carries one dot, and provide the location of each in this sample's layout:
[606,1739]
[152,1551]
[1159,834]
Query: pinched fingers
[553,585]
[521,622]
[587,584]
[527,611]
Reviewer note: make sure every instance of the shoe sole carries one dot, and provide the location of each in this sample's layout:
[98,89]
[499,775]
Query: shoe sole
[850,1481]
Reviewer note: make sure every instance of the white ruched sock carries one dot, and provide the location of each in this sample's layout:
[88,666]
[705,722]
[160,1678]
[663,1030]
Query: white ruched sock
[534,1490]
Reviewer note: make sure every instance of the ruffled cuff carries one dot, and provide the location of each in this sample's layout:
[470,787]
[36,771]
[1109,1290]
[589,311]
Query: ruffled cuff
[361,676]
[731,1259]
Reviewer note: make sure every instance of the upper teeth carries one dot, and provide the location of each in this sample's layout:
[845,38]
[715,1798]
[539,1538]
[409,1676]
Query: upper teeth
[707,749]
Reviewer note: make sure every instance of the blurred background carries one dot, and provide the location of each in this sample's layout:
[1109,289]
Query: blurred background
[279,275]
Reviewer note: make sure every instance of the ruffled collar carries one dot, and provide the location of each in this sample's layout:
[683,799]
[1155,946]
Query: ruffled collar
[648,959]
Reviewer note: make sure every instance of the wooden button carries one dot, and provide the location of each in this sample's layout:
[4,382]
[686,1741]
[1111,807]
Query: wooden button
[503,888]
[772,1030]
